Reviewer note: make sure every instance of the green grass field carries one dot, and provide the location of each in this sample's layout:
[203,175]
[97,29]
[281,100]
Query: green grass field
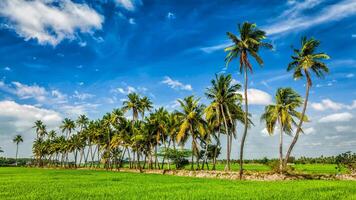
[32,183]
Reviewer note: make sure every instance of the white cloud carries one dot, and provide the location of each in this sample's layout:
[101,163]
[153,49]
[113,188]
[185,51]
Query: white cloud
[50,21]
[353,35]
[294,18]
[128,4]
[211,49]
[58,97]
[327,104]
[176,84]
[309,131]
[24,91]
[7,68]
[82,96]
[332,137]
[343,128]
[17,118]
[338,117]
[257,97]
[350,75]
[128,90]
[171,15]
[78,109]
[132,21]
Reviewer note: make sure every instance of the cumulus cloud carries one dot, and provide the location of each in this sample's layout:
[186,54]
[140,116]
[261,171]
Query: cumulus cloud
[337,117]
[49,21]
[328,104]
[7,68]
[175,84]
[351,75]
[258,97]
[18,118]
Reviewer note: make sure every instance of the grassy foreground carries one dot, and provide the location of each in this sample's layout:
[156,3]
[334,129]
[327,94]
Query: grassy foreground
[31,183]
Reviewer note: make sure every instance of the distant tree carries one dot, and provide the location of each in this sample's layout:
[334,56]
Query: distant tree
[17,139]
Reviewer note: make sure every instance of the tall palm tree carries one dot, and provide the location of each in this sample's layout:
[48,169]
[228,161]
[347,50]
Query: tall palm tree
[17,139]
[284,113]
[133,103]
[192,123]
[306,61]
[247,44]
[146,105]
[225,98]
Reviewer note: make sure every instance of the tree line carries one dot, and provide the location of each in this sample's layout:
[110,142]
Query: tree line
[114,137]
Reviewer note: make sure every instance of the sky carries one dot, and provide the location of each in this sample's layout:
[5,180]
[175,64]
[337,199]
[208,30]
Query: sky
[68,57]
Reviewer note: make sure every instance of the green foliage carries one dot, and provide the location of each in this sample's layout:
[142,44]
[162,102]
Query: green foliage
[177,156]
[347,160]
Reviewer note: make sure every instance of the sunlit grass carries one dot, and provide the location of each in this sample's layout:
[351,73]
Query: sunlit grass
[32,183]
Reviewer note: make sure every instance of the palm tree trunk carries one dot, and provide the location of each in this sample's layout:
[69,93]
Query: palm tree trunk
[246,126]
[216,151]
[17,150]
[281,150]
[227,166]
[299,128]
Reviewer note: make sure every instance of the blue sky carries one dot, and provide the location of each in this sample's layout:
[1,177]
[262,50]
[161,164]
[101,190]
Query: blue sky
[64,58]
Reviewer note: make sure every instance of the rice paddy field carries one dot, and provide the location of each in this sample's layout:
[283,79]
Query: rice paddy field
[35,183]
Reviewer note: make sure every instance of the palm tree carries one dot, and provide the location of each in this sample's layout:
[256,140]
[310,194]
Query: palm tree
[17,139]
[306,61]
[282,112]
[146,105]
[40,128]
[225,98]
[192,123]
[67,126]
[134,104]
[248,44]
[82,122]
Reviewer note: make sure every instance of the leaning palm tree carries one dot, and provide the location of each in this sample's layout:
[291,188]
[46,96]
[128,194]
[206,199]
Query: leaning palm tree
[133,103]
[305,62]
[248,44]
[225,98]
[192,123]
[284,113]
[17,139]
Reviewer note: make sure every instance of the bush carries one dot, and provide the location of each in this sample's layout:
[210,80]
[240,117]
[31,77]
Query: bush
[274,165]
[177,156]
